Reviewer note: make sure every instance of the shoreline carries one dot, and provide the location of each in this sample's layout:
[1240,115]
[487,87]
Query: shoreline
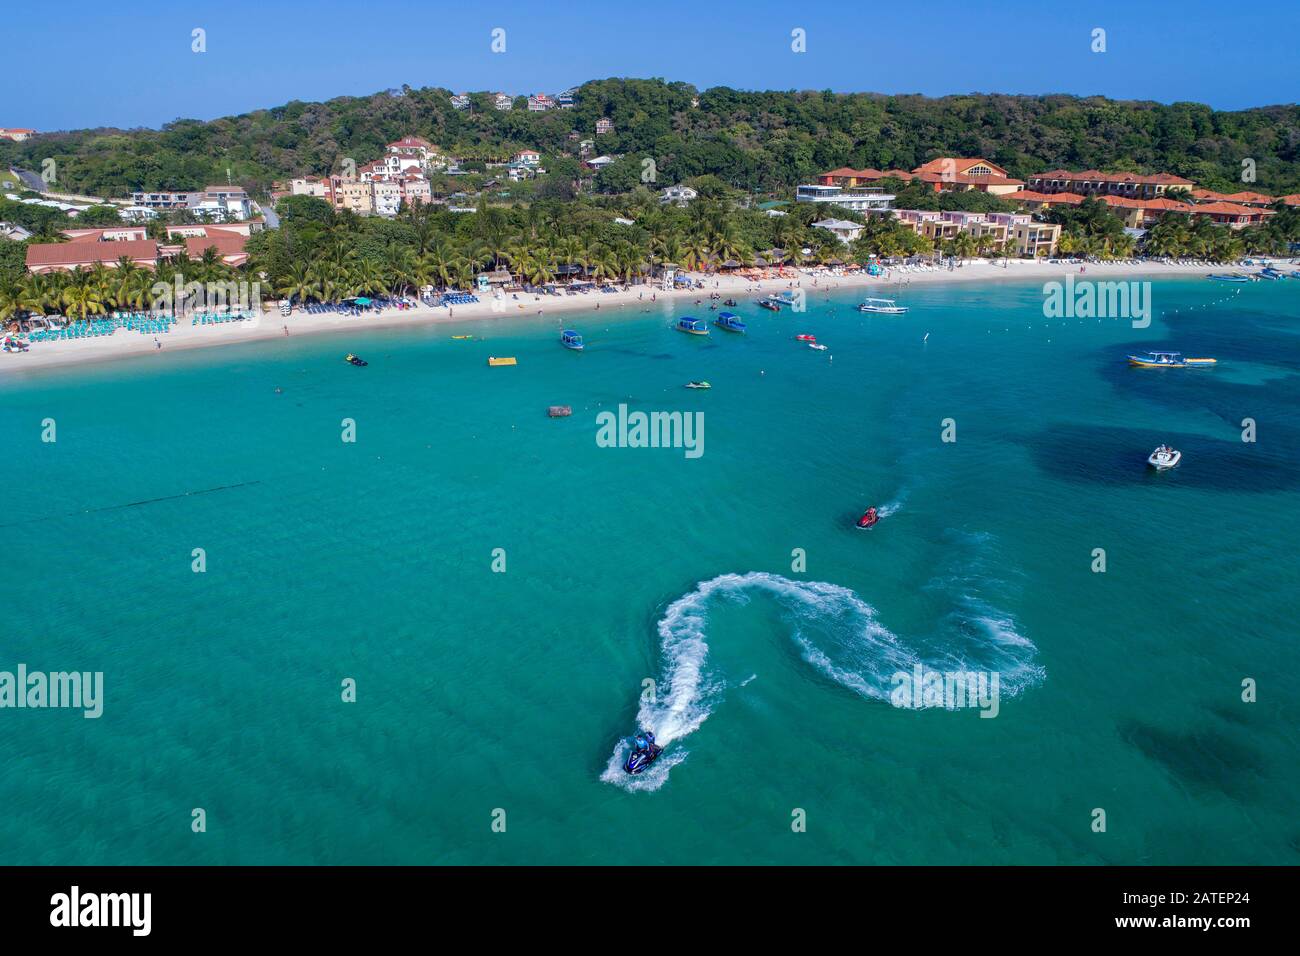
[271,324]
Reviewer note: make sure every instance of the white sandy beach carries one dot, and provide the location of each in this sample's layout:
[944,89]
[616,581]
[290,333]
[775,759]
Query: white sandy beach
[272,325]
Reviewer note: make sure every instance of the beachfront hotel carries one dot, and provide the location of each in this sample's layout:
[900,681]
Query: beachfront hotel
[1144,213]
[16,134]
[87,248]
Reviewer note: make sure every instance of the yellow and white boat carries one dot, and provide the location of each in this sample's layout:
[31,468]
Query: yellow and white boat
[495,360]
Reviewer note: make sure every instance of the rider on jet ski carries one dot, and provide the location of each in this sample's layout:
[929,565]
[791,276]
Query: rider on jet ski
[644,740]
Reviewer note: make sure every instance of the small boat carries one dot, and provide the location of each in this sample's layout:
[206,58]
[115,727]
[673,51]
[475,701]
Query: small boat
[884,306]
[772,305]
[698,385]
[503,360]
[818,346]
[1227,277]
[869,518]
[356,360]
[1164,458]
[692,326]
[805,338]
[571,340]
[459,337]
[559,411]
[1168,360]
[729,322]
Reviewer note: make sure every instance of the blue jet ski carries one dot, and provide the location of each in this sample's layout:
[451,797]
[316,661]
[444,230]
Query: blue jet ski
[644,752]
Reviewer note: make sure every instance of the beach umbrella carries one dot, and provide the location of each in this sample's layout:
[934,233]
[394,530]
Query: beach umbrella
[363,301]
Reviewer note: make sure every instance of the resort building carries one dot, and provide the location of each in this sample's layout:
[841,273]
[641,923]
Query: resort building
[604,127]
[14,232]
[843,229]
[528,157]
[1093,182]
[460,101]
[43,257]
[540,103]
[948,173]
[352,194]
[416,190]
[1144,213]
[678,195]
[218,203]
[387,197]
[860,200]
[17,134]
[1245,198]
[566,100]
[1035,239]
[503,102]
[600,162]
[111,234]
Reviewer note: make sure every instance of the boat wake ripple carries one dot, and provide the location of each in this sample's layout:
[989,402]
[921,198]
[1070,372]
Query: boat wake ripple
[837,633]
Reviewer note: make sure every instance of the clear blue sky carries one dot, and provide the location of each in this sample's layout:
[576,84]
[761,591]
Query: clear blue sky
[84,64]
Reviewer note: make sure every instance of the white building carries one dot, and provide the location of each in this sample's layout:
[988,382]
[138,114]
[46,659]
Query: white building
[528,157]
[680,195]
[503,102]
[843,229]
[309,187]
[600,162]
[460,101]
[859,200]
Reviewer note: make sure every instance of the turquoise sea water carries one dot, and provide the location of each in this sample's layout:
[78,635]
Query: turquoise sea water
[479,691]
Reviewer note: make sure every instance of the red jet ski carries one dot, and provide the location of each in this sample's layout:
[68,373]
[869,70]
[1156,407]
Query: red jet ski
[869,518]
[805,338]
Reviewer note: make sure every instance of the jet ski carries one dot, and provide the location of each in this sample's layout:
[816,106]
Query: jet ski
[698,385]
[869,518]
[805,338]
[355,360]
[644,752]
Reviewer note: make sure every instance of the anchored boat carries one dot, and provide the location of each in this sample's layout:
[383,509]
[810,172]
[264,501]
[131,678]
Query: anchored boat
[692,326]
[494,360]
[571,340]
[729,322]
[884,306]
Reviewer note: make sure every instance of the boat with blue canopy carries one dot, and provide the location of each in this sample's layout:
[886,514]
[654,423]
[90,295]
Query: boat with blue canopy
[571,340]
[730,322]
[692,326]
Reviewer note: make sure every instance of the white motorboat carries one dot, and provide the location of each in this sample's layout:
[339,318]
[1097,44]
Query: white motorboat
[886,306]
[1164,458]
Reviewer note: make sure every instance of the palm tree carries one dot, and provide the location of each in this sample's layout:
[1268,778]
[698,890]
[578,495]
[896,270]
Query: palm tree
[82,296]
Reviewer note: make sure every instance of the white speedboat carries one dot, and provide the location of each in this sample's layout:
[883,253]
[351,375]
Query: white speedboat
[886,306]
[1164,458]
[817,345]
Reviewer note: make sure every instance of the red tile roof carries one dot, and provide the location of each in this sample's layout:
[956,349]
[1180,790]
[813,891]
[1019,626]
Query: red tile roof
[1096,175]
[69,254]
